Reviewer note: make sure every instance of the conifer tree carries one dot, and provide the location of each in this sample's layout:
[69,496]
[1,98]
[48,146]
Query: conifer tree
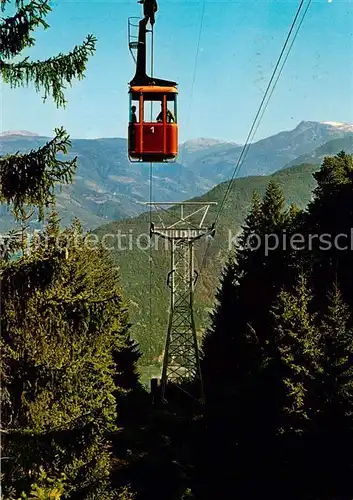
[233,355]
[240,366]
[274,216]
[327,229]
[218,341]
[297,339]
[29,179]
[333,423]
[222,339]
[65,342]
[63,322]
[249,235]
[263,262]
[338,349]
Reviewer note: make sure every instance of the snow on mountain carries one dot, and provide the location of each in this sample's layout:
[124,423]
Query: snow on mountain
[23,133]
[348,127]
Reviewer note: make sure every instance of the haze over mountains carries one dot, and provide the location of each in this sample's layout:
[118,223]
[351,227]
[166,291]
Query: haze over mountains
[107,187]
[107,193]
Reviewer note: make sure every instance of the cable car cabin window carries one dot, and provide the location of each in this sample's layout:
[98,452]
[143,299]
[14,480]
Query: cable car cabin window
[153,108]
[134,110]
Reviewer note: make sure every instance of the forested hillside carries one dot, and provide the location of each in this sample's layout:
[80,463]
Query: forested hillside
[328,149]
[130,252]
[277,360]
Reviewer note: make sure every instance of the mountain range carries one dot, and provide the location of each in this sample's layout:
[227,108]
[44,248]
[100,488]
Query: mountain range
[107,187]
[107,193]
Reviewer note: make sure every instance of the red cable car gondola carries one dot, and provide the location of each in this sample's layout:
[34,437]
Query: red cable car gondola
[151,138]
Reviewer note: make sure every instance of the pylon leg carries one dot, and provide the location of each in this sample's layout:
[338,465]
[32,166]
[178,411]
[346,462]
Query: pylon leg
[181,358]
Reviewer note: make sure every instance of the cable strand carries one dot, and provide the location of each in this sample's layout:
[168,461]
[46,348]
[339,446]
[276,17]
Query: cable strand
[251,134]
[259,110]
[150,218]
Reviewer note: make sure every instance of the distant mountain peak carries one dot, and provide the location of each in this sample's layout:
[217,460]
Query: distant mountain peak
[306,124]
[24,133]
[344,127]
[204,142]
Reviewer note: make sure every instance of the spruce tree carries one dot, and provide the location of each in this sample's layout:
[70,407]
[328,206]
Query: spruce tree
[249,235]
[63,322]
[274,216]
[263,262]
[234,355]
[337,339]
[327,227]
[29,180]
[299,368]
[218,340]
[297,339]
[333,423]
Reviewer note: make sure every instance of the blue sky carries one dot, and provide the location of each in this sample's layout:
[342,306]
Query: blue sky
[239,45]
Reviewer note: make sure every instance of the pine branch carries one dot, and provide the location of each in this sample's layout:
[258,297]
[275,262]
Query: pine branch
[30,179]
[52,73]
[15,30]
[18,3]
[9,244]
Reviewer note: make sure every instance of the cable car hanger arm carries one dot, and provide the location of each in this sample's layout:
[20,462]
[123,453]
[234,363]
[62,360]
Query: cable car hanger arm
[141,78]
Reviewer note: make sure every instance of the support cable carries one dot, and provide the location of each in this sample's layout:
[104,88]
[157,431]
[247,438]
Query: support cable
[283,64]
[150,214]
[247,145]
[251,133]
[193,78]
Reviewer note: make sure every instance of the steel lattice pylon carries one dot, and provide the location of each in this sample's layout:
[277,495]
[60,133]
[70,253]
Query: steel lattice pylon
[181,357]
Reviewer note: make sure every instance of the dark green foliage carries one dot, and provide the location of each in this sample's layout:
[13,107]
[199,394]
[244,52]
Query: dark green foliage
[263,262]
[15,31]
[156,447]
[298,355]
[51,74]
[298,342]
[67,359]
[221,324]
[272,208]
[335,171]
[278,357]
[333,436]
[30,179]
[327,227]
[238,355]
[59,370]
[337,339]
